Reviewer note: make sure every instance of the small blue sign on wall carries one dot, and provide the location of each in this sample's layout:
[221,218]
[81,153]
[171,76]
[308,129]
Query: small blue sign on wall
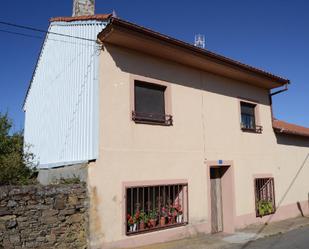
[220,161]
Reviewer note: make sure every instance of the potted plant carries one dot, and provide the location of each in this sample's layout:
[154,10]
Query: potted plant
[175,213]
[132,223]
[137,218]
[143,221]
[171,215]
[179,217]
[163,216]
[152,218]
[265,207]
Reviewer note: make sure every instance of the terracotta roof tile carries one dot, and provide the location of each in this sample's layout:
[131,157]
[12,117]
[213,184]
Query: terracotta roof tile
[98,17]
[291,129]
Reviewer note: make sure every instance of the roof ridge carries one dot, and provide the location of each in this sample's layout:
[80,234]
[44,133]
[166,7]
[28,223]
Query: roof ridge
[98,17]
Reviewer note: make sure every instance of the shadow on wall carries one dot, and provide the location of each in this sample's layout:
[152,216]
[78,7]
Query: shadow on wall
[292,140]
[149,66]
[300,209]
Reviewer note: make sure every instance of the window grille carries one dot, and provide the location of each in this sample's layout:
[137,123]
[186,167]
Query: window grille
[150,208]
[264,196]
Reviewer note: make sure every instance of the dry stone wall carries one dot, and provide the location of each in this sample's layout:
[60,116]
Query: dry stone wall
[38,216]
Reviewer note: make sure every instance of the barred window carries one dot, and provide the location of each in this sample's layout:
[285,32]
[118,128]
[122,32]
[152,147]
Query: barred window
[150,208]
[264,196]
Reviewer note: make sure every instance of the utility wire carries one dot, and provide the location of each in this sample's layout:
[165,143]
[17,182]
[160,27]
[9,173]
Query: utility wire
[40,37]
[21,34]
[44,31]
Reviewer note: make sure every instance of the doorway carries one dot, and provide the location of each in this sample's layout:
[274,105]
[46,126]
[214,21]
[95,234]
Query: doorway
[216,199]
[221,196]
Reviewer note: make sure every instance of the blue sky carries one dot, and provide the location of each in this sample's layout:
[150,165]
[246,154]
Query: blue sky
[271,35]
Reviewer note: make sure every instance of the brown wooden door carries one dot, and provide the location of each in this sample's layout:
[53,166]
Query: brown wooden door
[216,200]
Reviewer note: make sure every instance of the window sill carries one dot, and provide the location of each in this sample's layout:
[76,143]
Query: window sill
[261,216]
[152,119]
[257,129]
[157,228]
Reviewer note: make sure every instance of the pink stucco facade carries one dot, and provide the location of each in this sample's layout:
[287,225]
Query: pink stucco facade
[205,133]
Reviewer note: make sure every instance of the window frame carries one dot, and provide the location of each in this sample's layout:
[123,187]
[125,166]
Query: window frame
[258,128]
[138,119]
[270,193]
[151,184]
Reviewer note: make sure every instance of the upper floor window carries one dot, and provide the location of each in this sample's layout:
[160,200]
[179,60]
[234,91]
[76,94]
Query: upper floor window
[149,104]
[248,118]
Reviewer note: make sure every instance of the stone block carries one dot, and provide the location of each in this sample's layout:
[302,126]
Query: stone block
[2,226]
[12,203]
[21,219]
[7,244]
[31,244]
[59,203]
[51,238]
[75,218]
[50,220]
[49,212]
[73,200]
[67,211]
[40,239]
[9,221]
[15,239]
[4,211]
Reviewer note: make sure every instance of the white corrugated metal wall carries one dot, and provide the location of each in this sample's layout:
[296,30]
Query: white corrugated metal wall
[61,109]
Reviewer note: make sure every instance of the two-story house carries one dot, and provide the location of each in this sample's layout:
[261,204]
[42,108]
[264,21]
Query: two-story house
[173,140]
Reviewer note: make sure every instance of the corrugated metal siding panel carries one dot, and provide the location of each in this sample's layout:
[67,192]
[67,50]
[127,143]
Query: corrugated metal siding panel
[61,109]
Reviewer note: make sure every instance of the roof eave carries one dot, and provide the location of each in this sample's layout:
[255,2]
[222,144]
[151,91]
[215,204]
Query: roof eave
[284,128]
[287,132]
[141,34]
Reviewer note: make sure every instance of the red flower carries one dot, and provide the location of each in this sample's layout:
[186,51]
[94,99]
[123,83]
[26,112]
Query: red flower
[131,221]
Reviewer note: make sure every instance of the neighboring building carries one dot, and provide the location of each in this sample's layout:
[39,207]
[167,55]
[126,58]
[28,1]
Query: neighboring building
[61,107]
[166,128]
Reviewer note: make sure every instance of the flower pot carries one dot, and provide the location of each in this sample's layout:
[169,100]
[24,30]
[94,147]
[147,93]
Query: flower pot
[169,220]
[152,222]
[162,221]
[141,225]
[133,228]
[173,220]
[179,218]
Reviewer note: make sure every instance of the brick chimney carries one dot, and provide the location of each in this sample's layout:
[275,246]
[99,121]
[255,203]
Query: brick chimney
[83,7]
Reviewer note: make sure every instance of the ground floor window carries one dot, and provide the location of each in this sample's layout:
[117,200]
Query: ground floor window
[264,196]
[150,208]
